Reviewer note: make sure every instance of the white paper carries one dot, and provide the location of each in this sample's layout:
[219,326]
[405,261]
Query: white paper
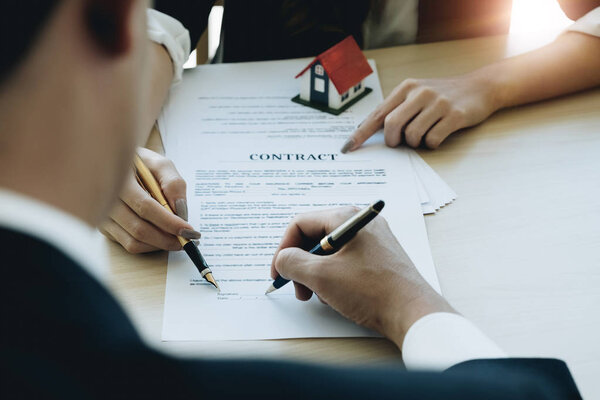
[252,160]
[433,191]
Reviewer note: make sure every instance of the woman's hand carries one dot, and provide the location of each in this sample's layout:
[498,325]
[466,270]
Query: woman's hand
[370,281]
[427,111]
[139,223]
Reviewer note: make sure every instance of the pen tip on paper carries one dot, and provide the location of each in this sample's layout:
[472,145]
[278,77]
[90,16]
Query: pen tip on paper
[270,289]
[209,277]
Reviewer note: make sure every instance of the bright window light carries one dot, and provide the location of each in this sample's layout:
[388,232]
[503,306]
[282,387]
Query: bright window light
[191,62]
[215,19]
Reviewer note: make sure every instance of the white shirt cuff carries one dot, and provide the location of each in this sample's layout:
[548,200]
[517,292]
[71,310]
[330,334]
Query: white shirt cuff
[440,340]
[170,33]
[589,23]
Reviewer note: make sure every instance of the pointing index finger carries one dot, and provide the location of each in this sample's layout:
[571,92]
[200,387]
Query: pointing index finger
[364,131]
[375,120]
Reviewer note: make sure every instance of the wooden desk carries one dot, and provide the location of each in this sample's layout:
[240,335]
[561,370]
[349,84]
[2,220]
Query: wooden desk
[518,252]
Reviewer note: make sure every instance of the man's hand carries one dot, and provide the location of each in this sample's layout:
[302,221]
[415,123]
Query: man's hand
[370,281]
[139,223]
[427,111]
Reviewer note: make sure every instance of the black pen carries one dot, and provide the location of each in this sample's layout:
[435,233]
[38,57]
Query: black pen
[339,237]
[148,182]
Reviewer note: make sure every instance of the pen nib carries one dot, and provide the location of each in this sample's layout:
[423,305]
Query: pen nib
[271,289]
[209,277]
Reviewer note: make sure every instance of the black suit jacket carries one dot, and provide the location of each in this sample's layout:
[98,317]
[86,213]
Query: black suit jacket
[64,336]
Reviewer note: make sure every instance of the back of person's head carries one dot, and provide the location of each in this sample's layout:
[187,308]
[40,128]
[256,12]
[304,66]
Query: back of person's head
[73,77]
[21,21]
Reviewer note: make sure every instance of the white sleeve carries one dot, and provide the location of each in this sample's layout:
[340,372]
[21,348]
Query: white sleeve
[169,32]
[440,340]
[589,23]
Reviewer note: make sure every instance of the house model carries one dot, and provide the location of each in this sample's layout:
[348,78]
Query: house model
[334,80]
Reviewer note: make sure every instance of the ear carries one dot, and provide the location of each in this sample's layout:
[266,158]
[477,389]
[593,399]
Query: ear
[108,22]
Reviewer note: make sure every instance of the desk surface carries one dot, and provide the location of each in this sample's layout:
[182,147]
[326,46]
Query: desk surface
[518,252]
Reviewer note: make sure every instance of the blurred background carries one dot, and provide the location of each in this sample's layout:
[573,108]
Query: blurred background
[533,23]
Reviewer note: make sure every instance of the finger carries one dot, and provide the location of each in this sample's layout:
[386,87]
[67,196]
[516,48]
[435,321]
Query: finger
[107,234]
[150,210]
[396,120]
[418,127]
[171,183]
[301,267]
[126,240]
[309,228]
[302,292]
[376,119]
[444,128]
[142,230]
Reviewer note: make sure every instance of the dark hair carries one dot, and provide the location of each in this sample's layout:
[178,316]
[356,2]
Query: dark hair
[21,21]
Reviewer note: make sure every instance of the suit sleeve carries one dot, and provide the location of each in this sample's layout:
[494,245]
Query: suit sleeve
[551,377]
[515,379]
[193,14]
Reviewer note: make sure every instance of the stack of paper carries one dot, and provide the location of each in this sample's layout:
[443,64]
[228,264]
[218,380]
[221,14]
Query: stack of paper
[253,159]
[433,191]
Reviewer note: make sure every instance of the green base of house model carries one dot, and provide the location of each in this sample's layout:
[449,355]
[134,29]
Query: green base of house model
[322,107]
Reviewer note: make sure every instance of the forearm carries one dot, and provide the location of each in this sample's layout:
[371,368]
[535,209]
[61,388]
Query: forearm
[569,64]
[161,76]
[427,111]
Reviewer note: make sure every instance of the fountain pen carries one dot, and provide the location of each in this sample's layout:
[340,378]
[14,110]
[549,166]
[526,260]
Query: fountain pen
[149,183]
[339,237]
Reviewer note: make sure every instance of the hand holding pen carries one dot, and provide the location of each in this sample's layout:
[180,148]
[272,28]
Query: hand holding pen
[339,237]
[138,222]
[148,182]
[370,281]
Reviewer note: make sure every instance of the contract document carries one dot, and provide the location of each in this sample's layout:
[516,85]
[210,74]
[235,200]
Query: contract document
[253,97]
[253,160]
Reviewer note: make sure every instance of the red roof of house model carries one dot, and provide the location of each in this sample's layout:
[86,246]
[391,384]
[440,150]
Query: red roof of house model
[344,63]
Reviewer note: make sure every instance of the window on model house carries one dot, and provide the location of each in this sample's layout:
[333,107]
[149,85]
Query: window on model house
[357,87]
[320,85]
[319,70]
[345,95]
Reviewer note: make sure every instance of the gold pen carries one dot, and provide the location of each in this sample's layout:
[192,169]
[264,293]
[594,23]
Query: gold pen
[148,182]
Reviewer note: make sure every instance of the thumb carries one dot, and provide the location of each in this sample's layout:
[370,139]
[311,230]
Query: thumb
[299,266]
